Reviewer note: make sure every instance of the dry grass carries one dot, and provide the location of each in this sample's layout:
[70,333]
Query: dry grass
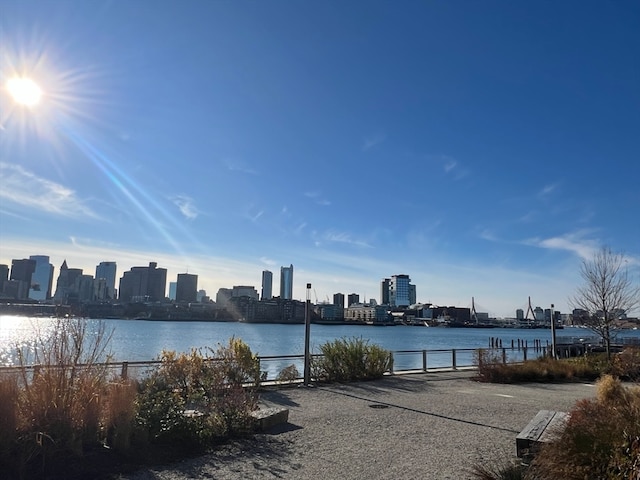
[601,439]
[545,369]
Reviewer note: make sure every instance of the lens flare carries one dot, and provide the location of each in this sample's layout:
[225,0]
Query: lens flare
[24,91]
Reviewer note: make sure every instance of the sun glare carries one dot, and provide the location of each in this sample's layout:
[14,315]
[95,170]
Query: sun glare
[24,91]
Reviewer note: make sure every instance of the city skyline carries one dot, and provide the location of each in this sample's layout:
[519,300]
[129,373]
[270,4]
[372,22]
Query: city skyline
[485,150]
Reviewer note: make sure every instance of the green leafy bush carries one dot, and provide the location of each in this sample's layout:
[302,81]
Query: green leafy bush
[351,359]
[192,400]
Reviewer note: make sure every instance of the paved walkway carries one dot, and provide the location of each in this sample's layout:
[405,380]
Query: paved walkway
[425,426]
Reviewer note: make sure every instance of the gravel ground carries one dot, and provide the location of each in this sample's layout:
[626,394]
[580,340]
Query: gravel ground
[425,426]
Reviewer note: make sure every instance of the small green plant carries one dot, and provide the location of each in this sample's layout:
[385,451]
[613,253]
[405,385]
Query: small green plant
[192,400]
[351,359]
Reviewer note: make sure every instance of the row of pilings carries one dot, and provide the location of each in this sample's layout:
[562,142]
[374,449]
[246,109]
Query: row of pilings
[521,344]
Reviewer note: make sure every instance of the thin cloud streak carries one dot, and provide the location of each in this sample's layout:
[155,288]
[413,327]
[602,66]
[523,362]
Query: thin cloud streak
[27,189]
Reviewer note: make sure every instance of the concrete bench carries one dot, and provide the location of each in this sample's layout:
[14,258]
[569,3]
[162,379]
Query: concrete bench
[544,428]
[266,418]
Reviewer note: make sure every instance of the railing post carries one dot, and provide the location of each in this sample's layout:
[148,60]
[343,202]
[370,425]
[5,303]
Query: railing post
[504,355]
[391,363]
[424,360]
[453,359]
[524,354]
[123,372]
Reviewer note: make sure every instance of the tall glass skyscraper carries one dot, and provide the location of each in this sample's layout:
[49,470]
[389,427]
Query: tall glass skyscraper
[42,278]
[267,285]
[107,270]
[286,282]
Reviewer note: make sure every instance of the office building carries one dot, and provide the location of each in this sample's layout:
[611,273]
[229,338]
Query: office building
[352,299]
[286,282]
[186,288]
[338,300]
[21,272]
[384,291]
[267,285]
[42,278]
[107,271]
[173,287]
[400,291]
[66,284]
[4,276]
[143,284]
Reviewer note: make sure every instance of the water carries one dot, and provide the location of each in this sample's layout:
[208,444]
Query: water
[140,340]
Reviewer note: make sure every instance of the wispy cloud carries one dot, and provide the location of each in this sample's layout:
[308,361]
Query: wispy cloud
[453,167]
[254,218]
[344,237]
[268,261]
[238,166]
[373,140]
[186,206]
[548,189]
[572,242]
[317,198]
[26,188]
[299,228]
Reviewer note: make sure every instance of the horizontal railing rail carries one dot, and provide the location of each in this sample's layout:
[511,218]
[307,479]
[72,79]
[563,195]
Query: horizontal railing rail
[403,361]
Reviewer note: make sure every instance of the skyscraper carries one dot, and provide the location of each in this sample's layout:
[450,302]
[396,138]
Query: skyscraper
[107,270]
[399,291]
[21,272]
[267,285]
[66,284]
[143,284]
[338,300]
[42,278]
[186,287]
[353,298]
[286,282]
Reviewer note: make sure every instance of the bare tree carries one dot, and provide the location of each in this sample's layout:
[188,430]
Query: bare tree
[607,293]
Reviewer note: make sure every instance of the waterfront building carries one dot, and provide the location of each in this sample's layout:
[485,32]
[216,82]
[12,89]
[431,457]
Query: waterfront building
[538,314]
[42,278]
[84,288]
[384,291]
[173,286]
[66,284]
[186,288]
[21,272]
[107,271]
[400,292]
[520,314]
[338,299]
[352,299]
[143,284]
[286,282]
[267,285]
[4,276]
[201,296]
[244,291]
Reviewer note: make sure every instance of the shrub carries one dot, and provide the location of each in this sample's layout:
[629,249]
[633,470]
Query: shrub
[626,364]
[507,472]
[288,374]
[346,360]
[192,400]
[601,439]
[53,410]
[544,369]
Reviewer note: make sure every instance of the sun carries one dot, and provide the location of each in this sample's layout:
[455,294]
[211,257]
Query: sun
[24,91]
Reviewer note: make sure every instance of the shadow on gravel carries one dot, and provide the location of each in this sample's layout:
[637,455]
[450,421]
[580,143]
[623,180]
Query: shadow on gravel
[246,457]
[278,396]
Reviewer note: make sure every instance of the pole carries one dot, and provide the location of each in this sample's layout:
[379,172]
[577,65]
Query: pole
[307,334]
[553,333]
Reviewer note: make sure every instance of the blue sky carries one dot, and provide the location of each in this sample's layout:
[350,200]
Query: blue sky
[483,148]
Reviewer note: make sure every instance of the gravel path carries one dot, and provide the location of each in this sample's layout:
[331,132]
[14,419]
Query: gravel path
[425,426]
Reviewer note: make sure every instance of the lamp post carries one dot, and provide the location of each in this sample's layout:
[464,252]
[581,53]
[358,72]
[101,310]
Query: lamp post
[553,333]
[307,334]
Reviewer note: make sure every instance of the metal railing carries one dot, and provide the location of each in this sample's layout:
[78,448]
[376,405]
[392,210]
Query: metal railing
[404,361]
